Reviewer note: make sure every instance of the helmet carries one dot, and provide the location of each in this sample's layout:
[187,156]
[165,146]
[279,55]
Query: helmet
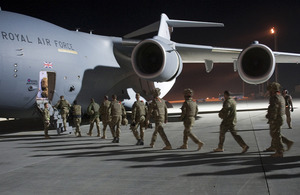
[273,87]
[188,92]
[156,92]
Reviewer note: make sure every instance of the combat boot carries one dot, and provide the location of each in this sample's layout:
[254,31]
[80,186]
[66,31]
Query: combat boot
[103,137]
[141,143]
[289,145]
[79,134]
[167,148]
[245,149]
[114,140]
[219,150]
[200,144]
[184,146]
[270,149]
[117,140]
[138,142]
[152,145]
[98,135]
[277,155]
[89,133]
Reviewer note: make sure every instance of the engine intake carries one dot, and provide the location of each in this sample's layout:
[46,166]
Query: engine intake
[155,60]
[256,64]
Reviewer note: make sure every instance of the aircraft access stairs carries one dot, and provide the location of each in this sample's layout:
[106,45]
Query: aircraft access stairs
[56,118]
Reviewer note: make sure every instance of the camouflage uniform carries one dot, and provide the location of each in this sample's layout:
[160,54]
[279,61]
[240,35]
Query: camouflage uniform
[139,111]
[158,110]
[116,111]
[76,111]
[93,111]
[189,112]
[276,111]
[105,116]
[64,107]
[46,121]
[228,114]
[288,108]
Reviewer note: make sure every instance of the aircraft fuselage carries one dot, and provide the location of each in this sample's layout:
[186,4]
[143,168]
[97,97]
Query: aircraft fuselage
[75,64]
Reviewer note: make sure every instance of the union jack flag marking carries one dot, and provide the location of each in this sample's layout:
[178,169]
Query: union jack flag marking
[48,65]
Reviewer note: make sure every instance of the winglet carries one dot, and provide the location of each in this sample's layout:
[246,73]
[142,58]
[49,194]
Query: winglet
[165,27]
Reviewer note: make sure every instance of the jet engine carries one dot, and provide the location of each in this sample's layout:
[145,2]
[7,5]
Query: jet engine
[256,64]
[156,60]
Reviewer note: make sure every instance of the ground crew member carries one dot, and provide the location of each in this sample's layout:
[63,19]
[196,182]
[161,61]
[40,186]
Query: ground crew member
[288,107]
[116,112]
[228,114]
[93,111]
[46,120]
[105,116]
[276,110]
[76,111]
[189,111]
[64,107]
[139,111]
[158,111]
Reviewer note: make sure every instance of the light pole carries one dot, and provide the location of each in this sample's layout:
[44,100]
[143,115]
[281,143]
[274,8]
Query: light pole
[274,33]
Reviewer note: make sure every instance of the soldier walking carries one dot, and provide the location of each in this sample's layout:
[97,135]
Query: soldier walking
[64,107]
[158,110]
[276,110]
[93,111]
[228,114]
[288,107]
[46,119]
[139,111]
[76,111]
[189,112]
[105,116]
[116,112]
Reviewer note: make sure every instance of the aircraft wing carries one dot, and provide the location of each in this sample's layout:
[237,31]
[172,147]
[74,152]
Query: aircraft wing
[199,54]
[160,59]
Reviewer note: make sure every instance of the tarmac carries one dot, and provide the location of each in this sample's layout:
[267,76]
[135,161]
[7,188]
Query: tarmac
[66,164]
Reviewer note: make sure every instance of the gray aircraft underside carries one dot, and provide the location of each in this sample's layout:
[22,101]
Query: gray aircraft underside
[82,66]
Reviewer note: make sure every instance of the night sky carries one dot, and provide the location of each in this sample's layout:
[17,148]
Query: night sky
[245,21]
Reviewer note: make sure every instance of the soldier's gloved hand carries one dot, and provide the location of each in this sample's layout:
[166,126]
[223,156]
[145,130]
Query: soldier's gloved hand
[292,109]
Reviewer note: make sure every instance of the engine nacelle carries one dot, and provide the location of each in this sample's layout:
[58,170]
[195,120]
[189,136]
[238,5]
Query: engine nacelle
[155,60]
[256,64]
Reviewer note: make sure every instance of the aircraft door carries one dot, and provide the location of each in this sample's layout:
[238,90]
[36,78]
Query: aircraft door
[46,85]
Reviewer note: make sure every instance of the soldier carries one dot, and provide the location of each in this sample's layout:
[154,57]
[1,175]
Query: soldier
[46,120]
[139,111]
[93,111]
[116,112]
[158,110]
[105,116]
[76,111]
[228,114]
[288,107]
[189,112]
[64,107]
[276,110]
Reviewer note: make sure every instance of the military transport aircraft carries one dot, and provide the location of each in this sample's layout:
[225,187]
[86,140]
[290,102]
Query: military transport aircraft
[41,61]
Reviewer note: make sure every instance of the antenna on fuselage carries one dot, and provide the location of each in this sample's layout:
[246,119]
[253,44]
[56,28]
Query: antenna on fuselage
[91,32]
[77,29]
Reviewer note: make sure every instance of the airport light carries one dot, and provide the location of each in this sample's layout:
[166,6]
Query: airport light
[274,33]
[272,30]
